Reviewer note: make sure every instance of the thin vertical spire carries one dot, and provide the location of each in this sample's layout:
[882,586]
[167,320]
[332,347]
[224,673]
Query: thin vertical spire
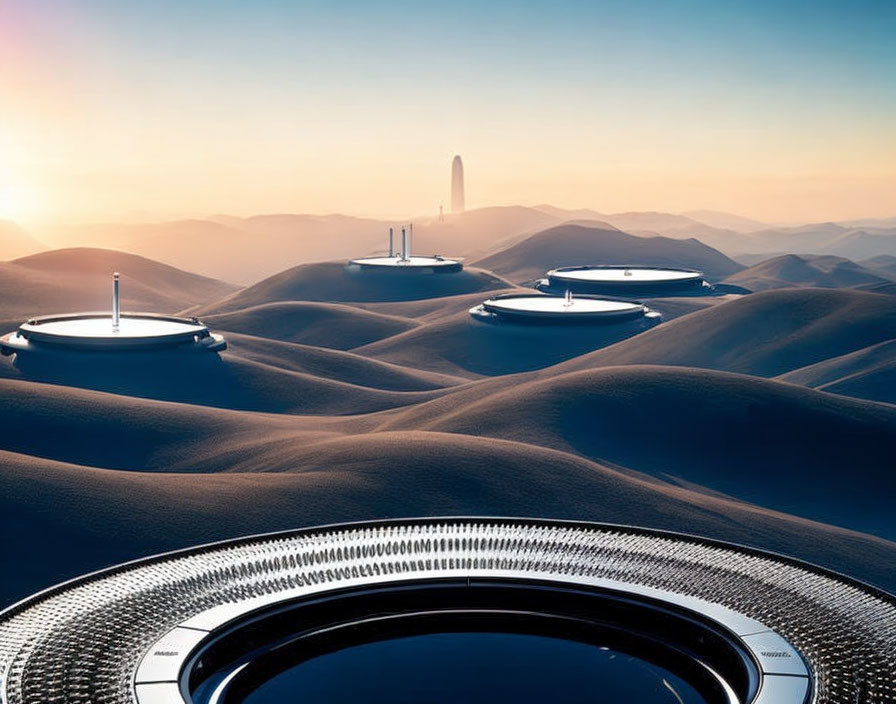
[116,303]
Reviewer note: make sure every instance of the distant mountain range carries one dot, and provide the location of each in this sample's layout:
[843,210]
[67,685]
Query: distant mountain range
[248,249]
[823,271]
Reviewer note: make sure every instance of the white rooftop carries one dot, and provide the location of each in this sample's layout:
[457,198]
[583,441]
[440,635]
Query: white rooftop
[411,261]
[621,275]
[559,305]
[101,327]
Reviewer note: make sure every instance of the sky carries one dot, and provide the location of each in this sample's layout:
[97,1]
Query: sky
[113,110]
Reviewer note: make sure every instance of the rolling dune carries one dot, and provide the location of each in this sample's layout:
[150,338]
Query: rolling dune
[72,519]
[228,381]
[817,455]
[765,334]
[373,406]
[330,325]
[335,364]
[72,280]
[334,282]
[869,373]
[463,346]
[571,244]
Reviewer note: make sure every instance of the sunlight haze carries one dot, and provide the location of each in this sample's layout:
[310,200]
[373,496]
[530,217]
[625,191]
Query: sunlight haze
[132,112]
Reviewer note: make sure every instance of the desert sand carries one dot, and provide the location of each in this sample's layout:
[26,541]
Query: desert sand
[765,418]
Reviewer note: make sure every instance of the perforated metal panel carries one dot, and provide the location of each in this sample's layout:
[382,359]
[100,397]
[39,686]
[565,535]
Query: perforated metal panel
[82,642]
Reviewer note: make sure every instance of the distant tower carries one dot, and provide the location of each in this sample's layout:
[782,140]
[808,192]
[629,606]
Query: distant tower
[457,185]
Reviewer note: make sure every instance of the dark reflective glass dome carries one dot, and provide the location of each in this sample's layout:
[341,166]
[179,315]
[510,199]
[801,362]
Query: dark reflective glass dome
[471,641]
[475,667]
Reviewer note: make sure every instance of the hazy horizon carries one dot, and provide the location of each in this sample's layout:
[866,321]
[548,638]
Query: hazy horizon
[169,110]
[159,217]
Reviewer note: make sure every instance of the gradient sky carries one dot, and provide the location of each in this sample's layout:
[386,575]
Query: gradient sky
[117,110]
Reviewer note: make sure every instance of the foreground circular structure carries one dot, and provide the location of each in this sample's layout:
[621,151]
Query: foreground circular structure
[625,280]
[99,332]
[537,308]
[436,609]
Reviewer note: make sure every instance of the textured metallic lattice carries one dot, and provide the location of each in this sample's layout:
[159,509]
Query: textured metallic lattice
[82,642]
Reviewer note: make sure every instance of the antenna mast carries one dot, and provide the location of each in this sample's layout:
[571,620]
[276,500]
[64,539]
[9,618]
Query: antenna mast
[116,306]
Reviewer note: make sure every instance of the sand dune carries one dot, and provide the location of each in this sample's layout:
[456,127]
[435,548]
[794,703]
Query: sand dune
[567,245]
[649,220]
[243,250]
[791,271]
[430,309]
[70,280]
[460,345]
[71,519]
[675,307]
[203,379]
[473,232]
[884,265]
[793,449]
[338,365]
[321,324]
[722,231]
[335,282]
[869,373]
[766,334]
[108,460]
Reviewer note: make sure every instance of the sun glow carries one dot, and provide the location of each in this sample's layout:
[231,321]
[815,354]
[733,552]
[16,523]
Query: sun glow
[19,201]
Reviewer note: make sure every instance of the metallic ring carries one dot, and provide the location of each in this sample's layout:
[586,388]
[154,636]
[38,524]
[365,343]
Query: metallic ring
[137,632]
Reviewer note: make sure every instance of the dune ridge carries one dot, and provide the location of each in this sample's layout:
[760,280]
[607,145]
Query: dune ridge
[79,279]
[572,244]
[320,324]
[766,334]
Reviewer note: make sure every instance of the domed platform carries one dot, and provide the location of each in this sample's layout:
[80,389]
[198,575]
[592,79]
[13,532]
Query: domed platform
[96,332]
[108,332]
[625,280]
[485,610]
[403,261]
[537,308]
[413,264]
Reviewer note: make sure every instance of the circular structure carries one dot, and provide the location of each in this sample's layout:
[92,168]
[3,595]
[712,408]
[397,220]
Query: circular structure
[537,308]
[108,332]
[98,332]
[405,262]
[631,280]
[416,263]
[436,609]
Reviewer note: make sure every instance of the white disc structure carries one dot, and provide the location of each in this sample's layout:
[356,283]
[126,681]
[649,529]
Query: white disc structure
[413,263]
[404,261]
[623,279]
[109,332]
[95,331]
[540,308]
